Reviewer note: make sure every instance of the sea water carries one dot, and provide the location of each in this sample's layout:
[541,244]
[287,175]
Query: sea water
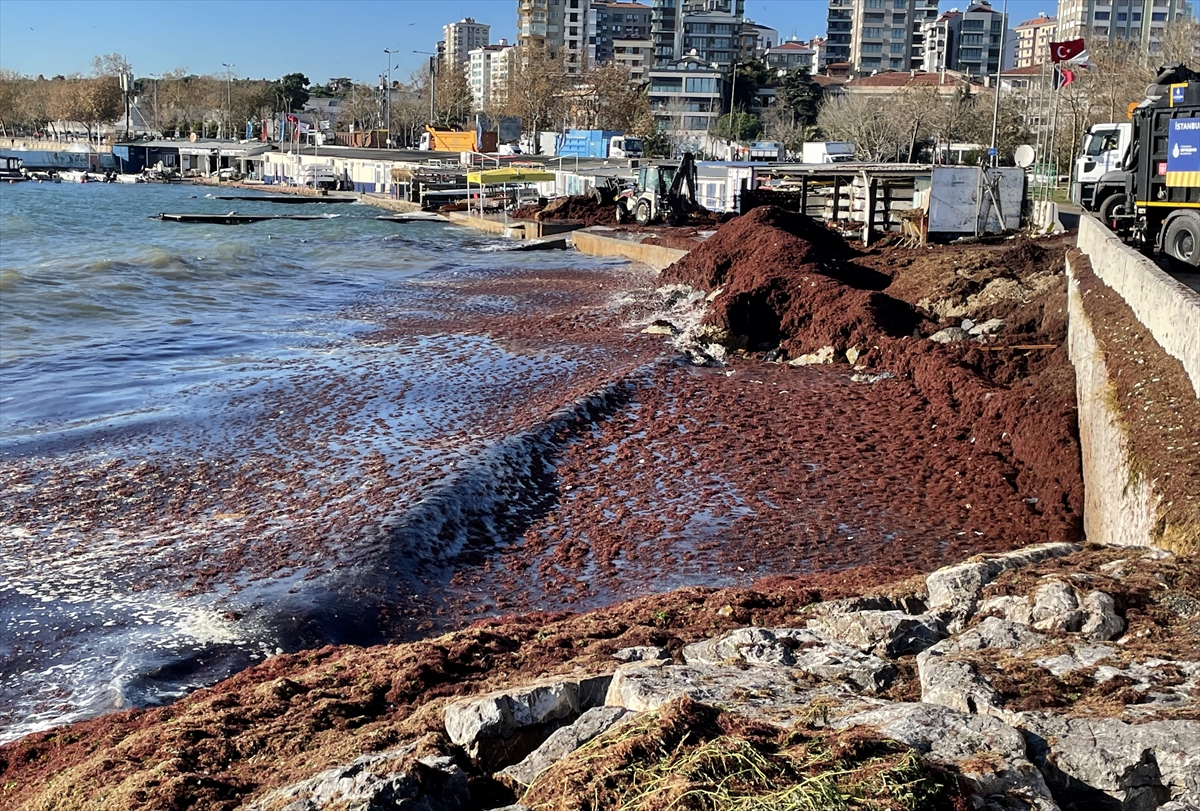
[199,453]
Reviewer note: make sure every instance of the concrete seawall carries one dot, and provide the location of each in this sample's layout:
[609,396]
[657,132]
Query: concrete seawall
[656,256]
[1169,309]
[1121,502]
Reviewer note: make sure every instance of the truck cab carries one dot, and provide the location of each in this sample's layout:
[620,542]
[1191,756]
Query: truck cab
[624,146]
[1103,149]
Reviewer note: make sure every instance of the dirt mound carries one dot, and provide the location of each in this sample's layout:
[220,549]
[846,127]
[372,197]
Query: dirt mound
[579,208]
[789,281]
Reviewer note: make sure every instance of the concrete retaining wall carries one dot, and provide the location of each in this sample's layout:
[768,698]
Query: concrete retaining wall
[656,256]
[1118,507]
[1170,310]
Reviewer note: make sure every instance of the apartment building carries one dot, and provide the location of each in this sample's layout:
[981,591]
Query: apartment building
[756,39]
[712,36]
[876,35]
[487,73]
[667,20]
[461,38]
[559,26]
[611,21]
[688,95]
[635,55]
[1139,21]
[792,55]
[1033,41]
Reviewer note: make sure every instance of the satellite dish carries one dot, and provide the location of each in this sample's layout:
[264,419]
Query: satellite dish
[1024,156]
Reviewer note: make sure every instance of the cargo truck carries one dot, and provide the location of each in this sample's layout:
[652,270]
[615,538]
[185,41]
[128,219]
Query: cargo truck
[598,144]
[1153,201]
[827,152]
[441,140]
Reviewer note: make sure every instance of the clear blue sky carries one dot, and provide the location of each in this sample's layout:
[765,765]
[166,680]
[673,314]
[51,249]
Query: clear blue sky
[319,38]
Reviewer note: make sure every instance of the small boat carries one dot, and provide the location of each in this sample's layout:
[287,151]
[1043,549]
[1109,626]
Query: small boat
[130,178]
[10,170]
[43,177]
[81,176]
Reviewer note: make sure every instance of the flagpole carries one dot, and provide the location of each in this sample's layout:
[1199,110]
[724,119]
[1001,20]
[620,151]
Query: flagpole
[1040,142]
[999,69]
[1054,140]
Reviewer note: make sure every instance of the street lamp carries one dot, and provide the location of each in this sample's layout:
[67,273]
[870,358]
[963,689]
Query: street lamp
[432,80]
[156,77]
[995,153]
[229,66]
[389,95]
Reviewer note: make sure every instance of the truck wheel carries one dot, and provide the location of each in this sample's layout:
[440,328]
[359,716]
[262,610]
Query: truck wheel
[622,217]
[642,212]
[1113,207]
[1182,239]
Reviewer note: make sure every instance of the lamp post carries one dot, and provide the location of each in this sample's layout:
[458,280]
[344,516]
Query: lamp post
[389,96]
[155,77]
[229,66]
[432,80]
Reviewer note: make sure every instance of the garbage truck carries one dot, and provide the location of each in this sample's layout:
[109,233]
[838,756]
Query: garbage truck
[598,144]
[436,139]
[1153,200]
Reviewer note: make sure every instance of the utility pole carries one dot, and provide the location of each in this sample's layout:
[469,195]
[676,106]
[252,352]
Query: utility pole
[432,81]
[389,96]
[229,66]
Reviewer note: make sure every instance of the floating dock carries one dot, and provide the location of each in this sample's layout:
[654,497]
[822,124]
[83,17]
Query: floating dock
[283,198]
[233,218]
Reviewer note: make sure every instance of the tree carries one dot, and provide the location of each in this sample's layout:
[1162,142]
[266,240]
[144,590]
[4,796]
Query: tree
[537,87]
[454,103]
[11,86]
[113,64]
[749,76]
[799,96]
[1181,43]
[741,126]
[359,110]
[863,120]
[98,101]
[614,102]
[291,92]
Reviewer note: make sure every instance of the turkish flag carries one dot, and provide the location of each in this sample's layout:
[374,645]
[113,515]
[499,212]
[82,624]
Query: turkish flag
[1064,51]
[293,120]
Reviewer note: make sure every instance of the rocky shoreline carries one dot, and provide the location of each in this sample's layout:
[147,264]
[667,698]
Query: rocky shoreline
[866,418]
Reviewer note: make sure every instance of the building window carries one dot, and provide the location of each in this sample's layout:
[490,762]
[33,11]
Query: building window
[897,47]
[1102,15]
[1121,16]
[872,32]
[1159,16]
[873,3]
[699,84]
[872,47]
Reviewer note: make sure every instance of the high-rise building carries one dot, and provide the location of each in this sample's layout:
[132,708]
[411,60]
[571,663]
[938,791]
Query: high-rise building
[967,42]
[1139,21]
[1033,41]
[713,37]
[876,35]
[487,73]
[611,21]
[667,21]
[463,37]
[559,26]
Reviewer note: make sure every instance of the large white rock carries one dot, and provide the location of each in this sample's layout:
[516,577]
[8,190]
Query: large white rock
[376,782]
[1126,761]
[769,693]
[565,741]
[987,752]
[883,633]
[795,648]
[954,591]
